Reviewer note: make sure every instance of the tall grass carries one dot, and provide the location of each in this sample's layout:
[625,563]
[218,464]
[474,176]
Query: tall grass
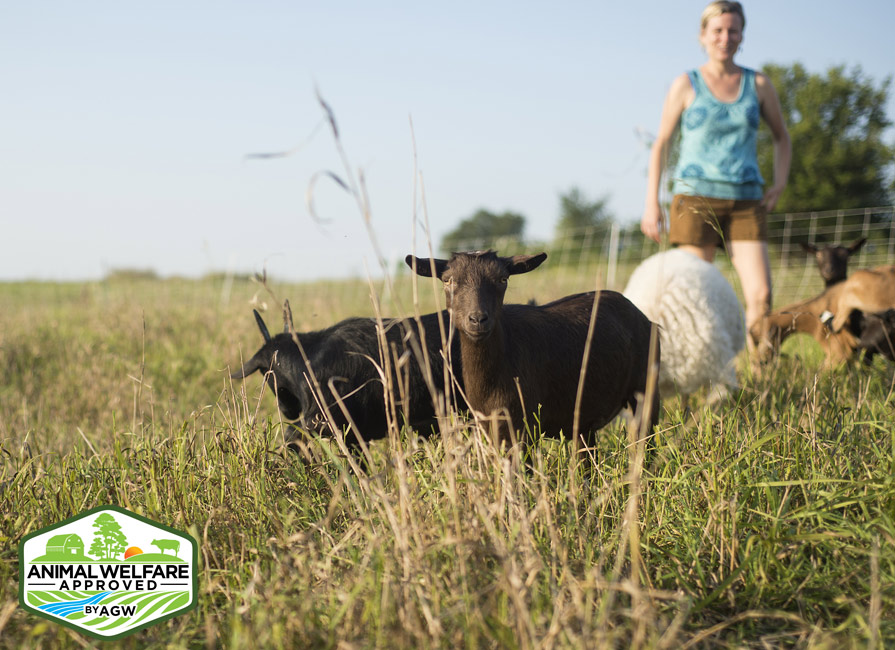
[765,522]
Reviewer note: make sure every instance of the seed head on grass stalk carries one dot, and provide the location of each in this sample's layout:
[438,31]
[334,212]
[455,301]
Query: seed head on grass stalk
[355,186]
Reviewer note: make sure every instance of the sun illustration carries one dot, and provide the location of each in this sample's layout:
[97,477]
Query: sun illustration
[133,550]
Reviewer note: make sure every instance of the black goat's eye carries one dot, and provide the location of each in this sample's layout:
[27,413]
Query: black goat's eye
[503,280]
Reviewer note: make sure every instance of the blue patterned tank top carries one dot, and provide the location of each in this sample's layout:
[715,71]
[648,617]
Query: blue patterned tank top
[717,148]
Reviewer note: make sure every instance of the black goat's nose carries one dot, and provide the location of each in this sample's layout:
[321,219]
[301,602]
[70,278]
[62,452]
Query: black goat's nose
[478,317]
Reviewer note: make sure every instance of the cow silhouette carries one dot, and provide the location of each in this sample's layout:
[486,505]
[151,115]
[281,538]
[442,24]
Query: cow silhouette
[164,544]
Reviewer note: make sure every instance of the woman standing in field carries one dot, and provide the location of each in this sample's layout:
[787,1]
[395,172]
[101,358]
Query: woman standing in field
[719,196]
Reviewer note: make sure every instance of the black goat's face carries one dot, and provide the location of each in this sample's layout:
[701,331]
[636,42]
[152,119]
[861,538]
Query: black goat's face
[288,402]
[279,361]
[475,285]
[832,261]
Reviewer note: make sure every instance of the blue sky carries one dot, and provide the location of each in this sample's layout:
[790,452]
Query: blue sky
[125,126]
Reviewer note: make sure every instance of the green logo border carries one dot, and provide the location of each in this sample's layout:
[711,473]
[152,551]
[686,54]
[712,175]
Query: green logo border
[87,513]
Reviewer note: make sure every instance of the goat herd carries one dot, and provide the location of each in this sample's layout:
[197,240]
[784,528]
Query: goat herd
[566,368]
[852,313]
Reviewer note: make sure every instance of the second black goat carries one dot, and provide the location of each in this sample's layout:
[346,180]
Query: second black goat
[346,362]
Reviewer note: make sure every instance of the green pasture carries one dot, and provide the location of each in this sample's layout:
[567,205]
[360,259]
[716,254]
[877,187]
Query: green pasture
[763,522]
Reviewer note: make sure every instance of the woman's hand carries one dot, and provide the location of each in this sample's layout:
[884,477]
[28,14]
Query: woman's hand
[771,196]
[652,224]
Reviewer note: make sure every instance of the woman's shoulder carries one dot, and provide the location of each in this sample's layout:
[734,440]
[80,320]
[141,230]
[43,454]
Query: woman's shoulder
[684,79]
[680,95]
[763,85]
[681,85]
[761,78]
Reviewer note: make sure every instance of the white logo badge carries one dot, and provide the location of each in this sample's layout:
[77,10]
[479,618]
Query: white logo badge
[108,572]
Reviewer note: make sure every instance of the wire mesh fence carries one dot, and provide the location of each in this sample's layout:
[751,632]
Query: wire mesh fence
[794,271]
[614,251]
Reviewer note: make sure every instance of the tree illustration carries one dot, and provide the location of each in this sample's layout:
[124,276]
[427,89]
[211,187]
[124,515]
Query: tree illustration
[96,548]
[109,541]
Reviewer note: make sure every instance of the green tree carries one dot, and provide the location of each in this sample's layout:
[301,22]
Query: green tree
[109,541]
[837,124]
[484,230]
[97,548]
[577,213]
[581,225]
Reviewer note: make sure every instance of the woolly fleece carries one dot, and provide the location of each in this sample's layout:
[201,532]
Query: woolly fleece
[700,319]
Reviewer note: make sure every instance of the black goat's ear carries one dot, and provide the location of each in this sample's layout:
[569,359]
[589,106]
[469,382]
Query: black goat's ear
[427,267]
[261,326]
[808,248]
[524,263]
[856,245]
[288,327]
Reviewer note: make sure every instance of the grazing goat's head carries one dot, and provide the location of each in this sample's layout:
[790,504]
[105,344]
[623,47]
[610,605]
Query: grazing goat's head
[277,360]
[475,284]
[876,333]
[832,261]
[765,335]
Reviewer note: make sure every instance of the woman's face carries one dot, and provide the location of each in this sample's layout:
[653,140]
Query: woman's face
[721,36]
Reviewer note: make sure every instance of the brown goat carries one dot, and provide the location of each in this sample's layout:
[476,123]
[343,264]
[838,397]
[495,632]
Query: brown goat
[874,332]
[804,317]
[867,290]
[522,360]
[832,261]
[860,304]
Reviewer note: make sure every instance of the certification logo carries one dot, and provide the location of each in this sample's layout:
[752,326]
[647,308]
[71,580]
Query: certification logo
[108,572]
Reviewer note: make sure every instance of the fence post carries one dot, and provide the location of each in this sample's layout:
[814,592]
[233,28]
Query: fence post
[784,244]
[891,251]
[865,232]
[564,254]
[612,264]
[585,253]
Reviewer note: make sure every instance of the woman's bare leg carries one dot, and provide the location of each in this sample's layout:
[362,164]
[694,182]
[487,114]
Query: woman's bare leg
[706,253]
[750,259]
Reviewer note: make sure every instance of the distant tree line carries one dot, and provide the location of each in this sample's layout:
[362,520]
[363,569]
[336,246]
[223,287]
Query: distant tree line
[841,160]
[485,229]
[837,123]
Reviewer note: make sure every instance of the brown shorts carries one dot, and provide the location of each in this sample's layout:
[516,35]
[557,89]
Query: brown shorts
[700,221]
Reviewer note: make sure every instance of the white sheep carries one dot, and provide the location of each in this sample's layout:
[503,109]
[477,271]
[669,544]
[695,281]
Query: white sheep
[700,321]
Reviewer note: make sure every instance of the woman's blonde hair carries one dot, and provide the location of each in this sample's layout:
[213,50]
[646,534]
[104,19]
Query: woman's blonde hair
[723,7]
